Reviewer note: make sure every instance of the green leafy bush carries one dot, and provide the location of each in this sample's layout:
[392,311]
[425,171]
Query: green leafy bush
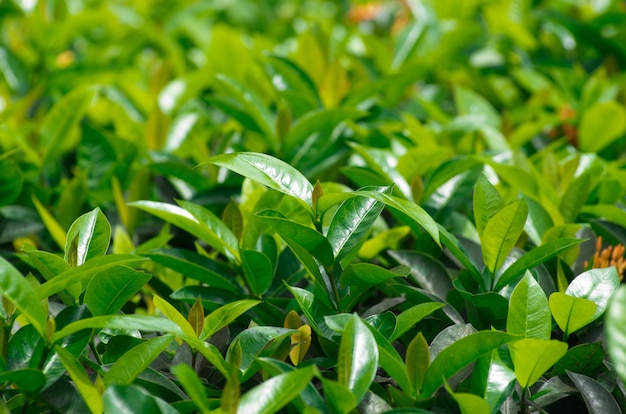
[319,207]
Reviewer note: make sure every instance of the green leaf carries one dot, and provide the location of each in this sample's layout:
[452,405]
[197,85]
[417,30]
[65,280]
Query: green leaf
[224,315]
[367,274]
[600,125]
[410,317]
[87,390]
[85,272]
[59,122]
[258,270]
[133,399]
[57,232]
[139,322]
[583,359]
[533,357]
[571,313]
[90,236]
[487,203]
[390,360]
[310,239]
[616,331]
[428,272]
[529,311]
[136,360]
[201,227]
[469,102]
[293,85]
[273,394]
[313,310]
[493,379]
[339,398]
[29,380]
[351,224]
[596,285]
[192,385]
[501,233]
[11,181]
[171,313]
[575,197]
[417,362]
[358,358]
[534,258]
[597,398]
[469,403]
[108,292]
[458,251]
[16,288]
[460,354]
[210,352]
[269,171]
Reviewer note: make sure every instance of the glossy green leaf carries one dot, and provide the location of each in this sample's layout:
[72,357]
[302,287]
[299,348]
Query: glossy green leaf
[417,362]
[597,398]
[596,285]
[293,85]
[460,354]
[108,292]
[89,235]
[224,315]
[210,352]
[410,317]
[29,380]
[257,269]
[616,331]
[139,322]
[458,251]
[529,312]
[571,313]
[171,313]
[358,358]
[192,385]
[313,310]
[133,399]
[48,264]
[199,227]
[501,233]
[367,274]
[16,288]
[429,273]
[390,360]
[339,398]
[84,273]
[136,360]
[269,171]
[493,379]
[273,394]
[533,258]
[533,357]
[59,122]
[583,359]
[600,125]
[487,202]
[87,390]
[311,240]
[469,403]
[11,181]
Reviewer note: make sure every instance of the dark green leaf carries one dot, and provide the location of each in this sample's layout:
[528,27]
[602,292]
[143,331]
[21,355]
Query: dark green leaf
[11,180]
[258,270]
[597,398]
[136,360]
[108,292]
[133,399]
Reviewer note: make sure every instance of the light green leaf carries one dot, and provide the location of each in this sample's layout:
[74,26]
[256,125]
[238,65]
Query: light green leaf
[493,379]
[390,360]
[571,313]
[407,319]
[87,390]
[57,232]
[224,315]
[487,203]
[89,235]
[596,285]
[533,357]
[358,358]
[600,125]
[16,288]
[339,398]
[460,354]
[501,233]
[417,362]
[616,331]
[136,360]
[368,274]
[469,403]
[174,315]
[269,171]
[108,292]
[273,394]
[529,311]
[192,386]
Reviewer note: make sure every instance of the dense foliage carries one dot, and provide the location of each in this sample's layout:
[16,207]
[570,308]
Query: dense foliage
[312,206]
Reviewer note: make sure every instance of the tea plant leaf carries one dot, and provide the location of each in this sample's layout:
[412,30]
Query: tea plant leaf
[258,270]
[16,288]
[583,359]
[52,225]
[199,223]
[269,171]
[273,394]
[597,398]
[196,316]
[596,285]
[229,401]
[410,317]
[534,258]
[460,354]
[533,357]
[139,322]
[108,292]
[492,378]
[136,360]
[11,180]
[192,385]
[358,358]
[575,197]
[417,362]
[87,390]
[600,125]
[501,233]
[29,380]
[487,203]
[174,315]
[458,251]
[210,352]
[571,313]
[616,331]
[300,344]
[367,274]
[224,315]
[529,312]
[133,399]
[338,397]
[390,360]
[313,310]
[468,403]
[89,235]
